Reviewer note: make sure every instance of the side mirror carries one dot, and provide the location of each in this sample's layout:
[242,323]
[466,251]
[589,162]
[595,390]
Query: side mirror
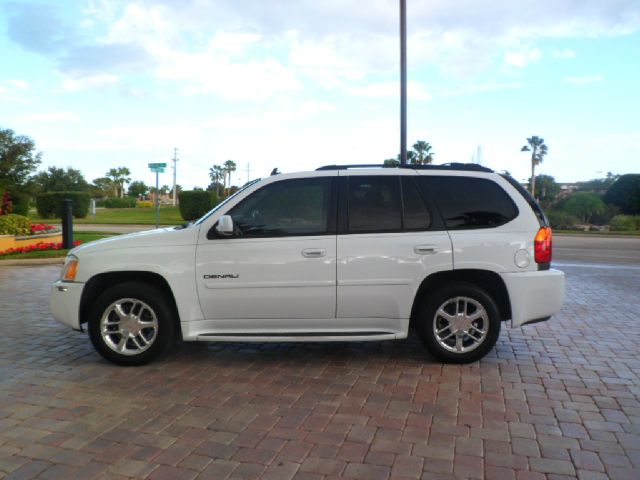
[225,225]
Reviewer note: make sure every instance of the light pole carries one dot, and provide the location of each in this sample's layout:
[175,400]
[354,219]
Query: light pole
[403,82]
[175,159]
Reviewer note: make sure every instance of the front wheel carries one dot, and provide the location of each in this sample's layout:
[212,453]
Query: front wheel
[459,323]
[131,324]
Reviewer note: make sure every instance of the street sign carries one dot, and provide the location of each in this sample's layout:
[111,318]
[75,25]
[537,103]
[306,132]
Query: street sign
[157,165]
[157,169]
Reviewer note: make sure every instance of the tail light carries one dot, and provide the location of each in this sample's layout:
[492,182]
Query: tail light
[542,245]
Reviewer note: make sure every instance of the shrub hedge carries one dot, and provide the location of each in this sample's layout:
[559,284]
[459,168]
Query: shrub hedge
[625,223]
[115,202]
[20,203]
[49,205]
[195,203]
[14,225]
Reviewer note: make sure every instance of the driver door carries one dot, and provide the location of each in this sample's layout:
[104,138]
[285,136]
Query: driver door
[280,266]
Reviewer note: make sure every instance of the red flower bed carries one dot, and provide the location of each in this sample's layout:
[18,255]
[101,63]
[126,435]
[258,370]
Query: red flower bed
[41,228]
[38,246]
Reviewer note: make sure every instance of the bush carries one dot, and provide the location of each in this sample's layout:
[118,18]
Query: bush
[115,202]
[49,205]
[144,204]
[625,223]
[562,220]
[14,225]
[20,203]
[195,203]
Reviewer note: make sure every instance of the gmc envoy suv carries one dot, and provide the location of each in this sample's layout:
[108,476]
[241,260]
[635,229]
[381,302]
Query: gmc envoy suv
[344,253]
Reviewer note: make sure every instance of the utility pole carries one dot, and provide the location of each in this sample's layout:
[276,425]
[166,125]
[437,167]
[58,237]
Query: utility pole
[403,82]
[248,171]
[175,159]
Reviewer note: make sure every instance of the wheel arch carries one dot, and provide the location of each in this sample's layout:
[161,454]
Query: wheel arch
[100,282]
[489,281]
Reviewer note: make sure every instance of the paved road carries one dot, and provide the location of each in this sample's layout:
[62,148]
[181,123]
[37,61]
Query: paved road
[556,400]
[596,249]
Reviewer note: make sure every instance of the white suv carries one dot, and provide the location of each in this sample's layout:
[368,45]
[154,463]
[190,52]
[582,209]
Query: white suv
[339,254]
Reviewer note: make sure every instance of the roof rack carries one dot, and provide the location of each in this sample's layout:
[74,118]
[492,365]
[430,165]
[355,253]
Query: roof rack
[473,167]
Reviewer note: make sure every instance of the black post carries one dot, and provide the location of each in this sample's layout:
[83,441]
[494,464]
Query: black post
[67,223]
[403,82]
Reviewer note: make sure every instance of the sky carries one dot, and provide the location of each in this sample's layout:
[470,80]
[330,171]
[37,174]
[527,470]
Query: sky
[297,84]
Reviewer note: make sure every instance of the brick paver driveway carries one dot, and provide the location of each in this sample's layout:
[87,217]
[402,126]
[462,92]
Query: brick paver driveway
[555,400]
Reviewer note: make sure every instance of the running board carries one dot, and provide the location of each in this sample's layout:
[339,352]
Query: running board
[297,336]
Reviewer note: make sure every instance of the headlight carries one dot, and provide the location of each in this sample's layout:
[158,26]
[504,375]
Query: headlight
[70,269]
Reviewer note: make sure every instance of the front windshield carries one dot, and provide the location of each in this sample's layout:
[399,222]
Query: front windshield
[225,201]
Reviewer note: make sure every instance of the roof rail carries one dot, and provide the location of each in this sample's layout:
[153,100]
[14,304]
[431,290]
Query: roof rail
[473,167]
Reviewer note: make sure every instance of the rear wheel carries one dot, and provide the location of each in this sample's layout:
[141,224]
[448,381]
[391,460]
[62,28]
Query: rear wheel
[459,323]
[131,324]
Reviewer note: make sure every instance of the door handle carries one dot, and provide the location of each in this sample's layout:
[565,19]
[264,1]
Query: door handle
[425,249]
[314,252]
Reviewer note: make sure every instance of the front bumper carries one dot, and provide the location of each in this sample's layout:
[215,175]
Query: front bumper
[535,295]
[64,303]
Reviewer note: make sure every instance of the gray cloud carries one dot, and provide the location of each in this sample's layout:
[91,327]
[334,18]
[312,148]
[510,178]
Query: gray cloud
[37,27]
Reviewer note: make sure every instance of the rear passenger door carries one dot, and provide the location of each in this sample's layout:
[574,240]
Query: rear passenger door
[389,240]
[483,222]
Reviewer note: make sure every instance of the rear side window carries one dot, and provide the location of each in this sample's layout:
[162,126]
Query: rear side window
[374,204]
[468,203]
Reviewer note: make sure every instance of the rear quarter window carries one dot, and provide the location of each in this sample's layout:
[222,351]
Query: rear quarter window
[469,203]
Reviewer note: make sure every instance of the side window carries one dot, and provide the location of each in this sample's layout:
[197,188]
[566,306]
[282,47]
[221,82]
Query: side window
[416,214]
[374,204]
[286,208]
[467,203]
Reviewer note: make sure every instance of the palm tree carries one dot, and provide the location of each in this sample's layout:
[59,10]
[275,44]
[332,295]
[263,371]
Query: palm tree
[423,152]
[119,176]
[229,166]
[538,150]
[217,174]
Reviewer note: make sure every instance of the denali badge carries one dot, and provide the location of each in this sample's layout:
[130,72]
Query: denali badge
[225,275]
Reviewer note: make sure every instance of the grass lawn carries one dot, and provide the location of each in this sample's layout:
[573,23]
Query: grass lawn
[84,237]
[124,216]
[632,233]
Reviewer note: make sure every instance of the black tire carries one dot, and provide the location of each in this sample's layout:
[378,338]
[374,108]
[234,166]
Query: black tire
[147,322]
[464,341]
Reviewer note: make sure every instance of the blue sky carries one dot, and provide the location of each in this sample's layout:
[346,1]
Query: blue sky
[297,84]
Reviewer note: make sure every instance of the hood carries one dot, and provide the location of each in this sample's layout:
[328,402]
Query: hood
[156,237]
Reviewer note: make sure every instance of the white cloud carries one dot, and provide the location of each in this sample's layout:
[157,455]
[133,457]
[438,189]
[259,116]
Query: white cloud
[522,58]
[56,117]
[481,88]
[415,90]
[584,80]
[565,54]
[92,81]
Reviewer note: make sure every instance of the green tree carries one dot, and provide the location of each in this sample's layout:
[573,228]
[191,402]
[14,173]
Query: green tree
[101,187]
[59,180]
[119,176]
[229,168]
[18,160]
[137,189]
[538,151]
[423,152]
[625,193]
[391,162]
[547,189]
[584,205]
[598,185]
[217,176]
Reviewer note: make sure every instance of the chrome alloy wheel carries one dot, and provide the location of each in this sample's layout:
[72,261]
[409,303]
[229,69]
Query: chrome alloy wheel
[129,326]
[460,324]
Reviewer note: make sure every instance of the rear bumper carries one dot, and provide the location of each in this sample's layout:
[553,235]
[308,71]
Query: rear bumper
[534,296]
[64,303]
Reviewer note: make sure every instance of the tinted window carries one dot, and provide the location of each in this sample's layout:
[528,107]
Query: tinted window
[374,204]
[470,202]
[416,215]
[289,207]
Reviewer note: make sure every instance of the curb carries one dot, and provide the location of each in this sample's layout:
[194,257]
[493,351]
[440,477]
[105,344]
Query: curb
[32,261]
